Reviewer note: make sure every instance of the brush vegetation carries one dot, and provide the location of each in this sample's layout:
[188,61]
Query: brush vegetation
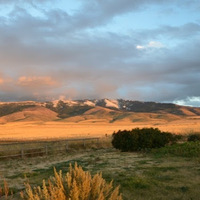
[141,139]
[193,137]
[162,174]
[169,172]
[75,185]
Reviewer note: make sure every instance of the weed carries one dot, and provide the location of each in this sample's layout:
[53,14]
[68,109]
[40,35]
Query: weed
[5,191]
[76,185]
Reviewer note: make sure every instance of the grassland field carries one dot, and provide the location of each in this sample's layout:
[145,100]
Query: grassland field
[56,129]
[141,176]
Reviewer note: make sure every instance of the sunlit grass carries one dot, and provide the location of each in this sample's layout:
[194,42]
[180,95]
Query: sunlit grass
[141,176]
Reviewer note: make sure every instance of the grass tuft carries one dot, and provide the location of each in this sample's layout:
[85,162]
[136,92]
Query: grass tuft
[187,149]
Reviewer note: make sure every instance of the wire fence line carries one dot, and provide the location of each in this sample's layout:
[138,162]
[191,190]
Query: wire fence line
[46,147]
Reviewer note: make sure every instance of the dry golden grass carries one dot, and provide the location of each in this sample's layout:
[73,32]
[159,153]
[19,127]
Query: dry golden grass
[52,130]
[88,128]
[140,176]
[41,123]
[5,191]
[36,113]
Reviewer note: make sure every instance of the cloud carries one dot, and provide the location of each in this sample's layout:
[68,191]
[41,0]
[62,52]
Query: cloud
[28,87]
[1,81]
[36,82]
[140,47]
[47,51]
[22,1]
[172,34]
[4,80]
[151,44]
[189,101]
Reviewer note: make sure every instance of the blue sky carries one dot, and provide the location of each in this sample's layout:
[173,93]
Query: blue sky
[144,50]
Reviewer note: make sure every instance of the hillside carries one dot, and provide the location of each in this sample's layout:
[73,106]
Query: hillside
[104,110]
[32,113]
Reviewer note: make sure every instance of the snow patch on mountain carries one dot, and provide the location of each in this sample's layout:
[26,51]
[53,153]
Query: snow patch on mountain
[89,103]
[55,102]
[70,103]
[112,103]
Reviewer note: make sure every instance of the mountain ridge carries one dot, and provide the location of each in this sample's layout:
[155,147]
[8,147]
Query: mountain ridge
[110,110]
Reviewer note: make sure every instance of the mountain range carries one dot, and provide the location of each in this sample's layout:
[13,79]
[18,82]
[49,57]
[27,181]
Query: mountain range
[103,110]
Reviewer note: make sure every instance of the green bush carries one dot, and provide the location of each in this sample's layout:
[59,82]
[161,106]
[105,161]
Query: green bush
[141,139]
[193,137]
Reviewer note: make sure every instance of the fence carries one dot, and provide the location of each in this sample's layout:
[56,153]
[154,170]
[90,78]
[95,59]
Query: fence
[19,149]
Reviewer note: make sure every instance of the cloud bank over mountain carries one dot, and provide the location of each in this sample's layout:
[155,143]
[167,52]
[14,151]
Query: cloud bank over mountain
[142,50]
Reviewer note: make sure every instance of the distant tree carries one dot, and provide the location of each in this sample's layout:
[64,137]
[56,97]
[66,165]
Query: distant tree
[60,106]
[64,110]
[50,106]
[6,109]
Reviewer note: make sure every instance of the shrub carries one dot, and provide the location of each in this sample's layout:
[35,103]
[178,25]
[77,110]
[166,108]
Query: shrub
[75,185]
[193,137]
[141,139]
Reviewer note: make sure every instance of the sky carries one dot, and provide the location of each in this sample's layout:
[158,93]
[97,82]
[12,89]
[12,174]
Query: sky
[146,50]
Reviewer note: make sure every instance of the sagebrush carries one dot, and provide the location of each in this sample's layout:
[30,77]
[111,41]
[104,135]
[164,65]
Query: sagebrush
[75,185]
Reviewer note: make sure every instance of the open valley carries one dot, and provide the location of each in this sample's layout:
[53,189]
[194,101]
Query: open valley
[62,130]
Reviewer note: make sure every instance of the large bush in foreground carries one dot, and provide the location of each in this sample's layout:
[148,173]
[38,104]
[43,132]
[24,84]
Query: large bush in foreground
[141,139]
[75,185]
[193,137]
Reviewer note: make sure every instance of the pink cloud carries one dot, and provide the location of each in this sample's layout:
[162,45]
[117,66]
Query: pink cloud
[1,81]
[5,81]
[36,81]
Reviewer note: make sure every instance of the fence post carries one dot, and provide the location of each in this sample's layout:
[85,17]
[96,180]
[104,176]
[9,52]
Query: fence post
[22,153]
[83,142]
[67,146]
[97,141]
[46,150]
